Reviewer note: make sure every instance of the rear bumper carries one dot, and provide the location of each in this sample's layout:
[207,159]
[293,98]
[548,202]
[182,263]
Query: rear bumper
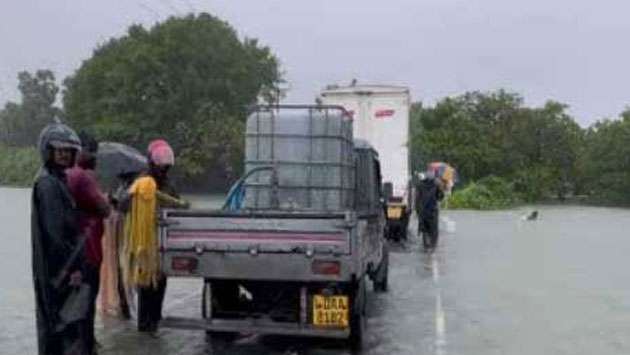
[257,326]
[272,266]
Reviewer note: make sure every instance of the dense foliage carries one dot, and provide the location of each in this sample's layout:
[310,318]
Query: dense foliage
[18,166]
[541,152]
[20,123]
[604,167]
[488,193]
[188,80]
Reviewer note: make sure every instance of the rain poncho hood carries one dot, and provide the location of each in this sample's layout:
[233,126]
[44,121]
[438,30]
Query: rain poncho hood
[57,135]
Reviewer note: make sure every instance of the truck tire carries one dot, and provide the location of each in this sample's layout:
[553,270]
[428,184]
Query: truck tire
[358,317]
[381,277]
[403,232]
[392,231]
[404,227]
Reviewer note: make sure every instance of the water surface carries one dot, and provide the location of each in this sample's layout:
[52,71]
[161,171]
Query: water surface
[496,285]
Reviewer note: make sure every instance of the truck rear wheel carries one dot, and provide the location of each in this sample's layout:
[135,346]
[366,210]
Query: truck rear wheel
[403,232]
[381,277]
[404,227]
[358,317]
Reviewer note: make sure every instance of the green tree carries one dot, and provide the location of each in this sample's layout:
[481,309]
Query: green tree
[187,79]
[21,123]
[605,161]
[484,134]
[470,131]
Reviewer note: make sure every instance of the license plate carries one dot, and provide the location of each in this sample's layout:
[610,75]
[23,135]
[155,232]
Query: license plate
[394,212]
[330,311]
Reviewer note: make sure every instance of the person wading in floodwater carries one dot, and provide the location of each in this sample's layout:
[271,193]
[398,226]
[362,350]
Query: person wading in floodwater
[92,209]
[428,196]
[148,193]
[57,251]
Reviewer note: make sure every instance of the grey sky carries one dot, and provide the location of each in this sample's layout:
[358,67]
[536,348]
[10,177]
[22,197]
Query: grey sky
[571,51]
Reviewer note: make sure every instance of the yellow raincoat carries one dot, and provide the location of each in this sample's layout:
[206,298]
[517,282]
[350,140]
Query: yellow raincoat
[141,266]
[141,257]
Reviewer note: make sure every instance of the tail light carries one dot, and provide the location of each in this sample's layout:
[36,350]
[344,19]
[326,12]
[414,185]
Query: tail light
[326,267]
[185,264]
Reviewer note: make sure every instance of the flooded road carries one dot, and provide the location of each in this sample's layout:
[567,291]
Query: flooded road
[496,285]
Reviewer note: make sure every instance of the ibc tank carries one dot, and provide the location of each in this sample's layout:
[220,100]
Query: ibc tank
[311,148]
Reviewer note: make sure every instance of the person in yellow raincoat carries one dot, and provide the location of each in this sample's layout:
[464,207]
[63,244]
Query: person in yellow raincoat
[141,260]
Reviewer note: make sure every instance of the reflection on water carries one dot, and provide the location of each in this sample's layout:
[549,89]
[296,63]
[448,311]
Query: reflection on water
[440,325]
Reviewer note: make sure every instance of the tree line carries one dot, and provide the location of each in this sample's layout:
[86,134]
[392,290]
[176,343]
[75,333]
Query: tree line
[540,153]
[190,79]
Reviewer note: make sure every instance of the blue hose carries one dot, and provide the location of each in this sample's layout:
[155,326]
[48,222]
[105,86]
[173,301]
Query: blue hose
[236,195]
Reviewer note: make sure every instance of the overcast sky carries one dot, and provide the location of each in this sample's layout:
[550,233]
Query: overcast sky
[572,51]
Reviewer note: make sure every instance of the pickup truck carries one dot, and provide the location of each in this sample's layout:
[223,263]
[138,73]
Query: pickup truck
[294,258]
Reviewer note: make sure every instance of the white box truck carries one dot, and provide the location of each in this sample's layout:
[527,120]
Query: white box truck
[381,116]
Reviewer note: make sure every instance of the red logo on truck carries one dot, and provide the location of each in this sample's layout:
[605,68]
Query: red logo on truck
[384,113]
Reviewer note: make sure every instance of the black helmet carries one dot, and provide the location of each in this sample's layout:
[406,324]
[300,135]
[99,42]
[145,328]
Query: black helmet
[88,142]
[57,135]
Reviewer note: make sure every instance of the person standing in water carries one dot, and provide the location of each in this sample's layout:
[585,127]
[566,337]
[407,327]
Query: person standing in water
[92,208]
[56,247]
[428,196]
[148,193]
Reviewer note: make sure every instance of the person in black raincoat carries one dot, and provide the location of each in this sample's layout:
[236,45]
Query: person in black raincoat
[56,249]
[428,195]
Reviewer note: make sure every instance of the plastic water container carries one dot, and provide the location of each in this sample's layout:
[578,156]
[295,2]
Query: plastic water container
[311,148]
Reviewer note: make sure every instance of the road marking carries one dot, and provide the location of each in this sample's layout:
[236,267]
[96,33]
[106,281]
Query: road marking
[440,325]
[440,315]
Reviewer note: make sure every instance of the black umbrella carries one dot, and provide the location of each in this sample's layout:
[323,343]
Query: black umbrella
[116,159]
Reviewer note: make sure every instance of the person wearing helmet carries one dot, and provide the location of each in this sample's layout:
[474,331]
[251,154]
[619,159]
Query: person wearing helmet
[56,248]
[148,193]
[92,208]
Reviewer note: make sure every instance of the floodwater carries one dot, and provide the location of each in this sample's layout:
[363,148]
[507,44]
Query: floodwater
[496,285]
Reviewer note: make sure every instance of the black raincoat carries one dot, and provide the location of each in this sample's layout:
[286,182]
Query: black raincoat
[428,195]
[54,233]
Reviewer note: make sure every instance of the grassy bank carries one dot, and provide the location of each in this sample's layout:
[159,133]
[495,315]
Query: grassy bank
[489,193]
[495,193]
[18,166]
